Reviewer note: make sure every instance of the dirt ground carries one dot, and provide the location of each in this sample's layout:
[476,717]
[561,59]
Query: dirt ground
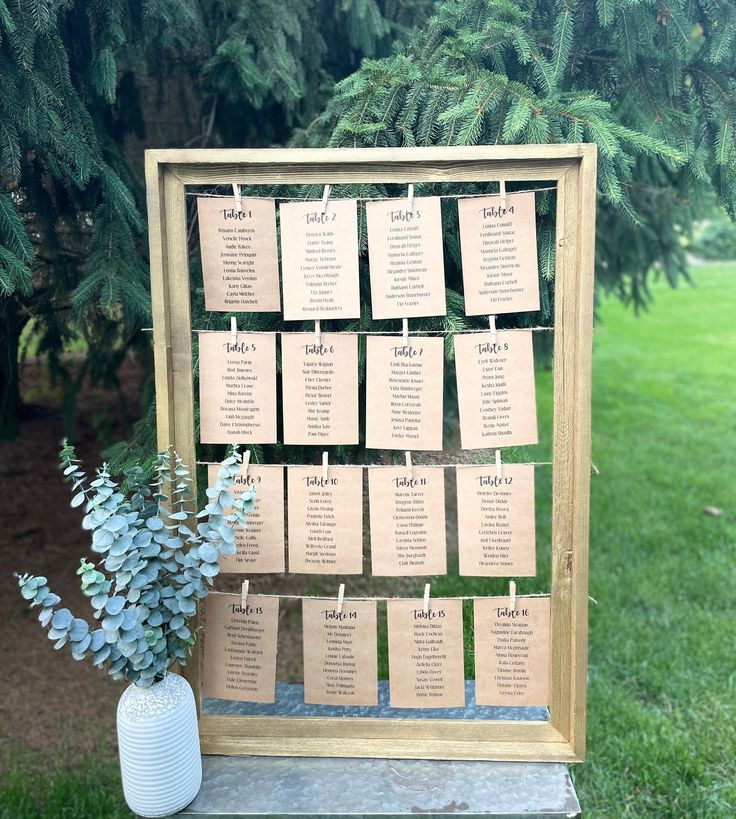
[46,697]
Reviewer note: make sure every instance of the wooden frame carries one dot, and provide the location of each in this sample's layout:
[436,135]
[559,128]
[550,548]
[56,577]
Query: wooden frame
[573,169]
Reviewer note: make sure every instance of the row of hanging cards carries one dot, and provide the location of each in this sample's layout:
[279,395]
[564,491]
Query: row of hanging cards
[404,389]
[425,651]
[495,521]
[319,256]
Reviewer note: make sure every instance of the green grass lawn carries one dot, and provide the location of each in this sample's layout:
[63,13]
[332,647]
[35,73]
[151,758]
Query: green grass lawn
[661,722]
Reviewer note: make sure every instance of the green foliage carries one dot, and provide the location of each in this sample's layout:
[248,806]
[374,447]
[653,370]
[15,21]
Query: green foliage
[715,238]
[158,565]
[652,86]
[79,78]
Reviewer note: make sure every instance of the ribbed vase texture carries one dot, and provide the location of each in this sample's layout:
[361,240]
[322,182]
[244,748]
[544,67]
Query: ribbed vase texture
[158,740]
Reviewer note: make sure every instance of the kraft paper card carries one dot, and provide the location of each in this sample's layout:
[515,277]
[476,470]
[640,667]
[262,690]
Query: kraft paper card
[407,268]
[499,254]
[495,389]
[262,543]
[407,515]
[240,265]
[495,521]
[340,654]
[320,388]
[425,654]
[240,647]
[319,260]
[325,520]
[237,388]
[512,651]
[404,392]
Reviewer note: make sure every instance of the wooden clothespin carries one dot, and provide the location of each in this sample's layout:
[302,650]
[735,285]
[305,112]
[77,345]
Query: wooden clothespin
[238,198]
[317,333]
[492,325]
[502,193]
[512,595]
[325,197]
[246,462]
[233,330]
[405,331]
[408,465]
[410,199]
[499,465]
[340,597]
[425,609]
[325,464]
[244,594]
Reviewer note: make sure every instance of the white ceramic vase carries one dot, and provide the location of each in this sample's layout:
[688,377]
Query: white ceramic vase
[158,740]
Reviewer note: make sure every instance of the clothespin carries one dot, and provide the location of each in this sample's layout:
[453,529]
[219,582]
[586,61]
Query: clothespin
[410,199]
[317,333]
[512,595]
[499,465]
[233,330]
[325,464]
[405,331]
[246,462]
[408,465]
[340,597]
[325,197]
[502,193]
[238,199]
[492,325]
[244,594]
[426,598]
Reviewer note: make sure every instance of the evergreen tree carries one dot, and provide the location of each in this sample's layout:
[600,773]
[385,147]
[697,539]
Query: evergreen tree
[652,85]
[75,75]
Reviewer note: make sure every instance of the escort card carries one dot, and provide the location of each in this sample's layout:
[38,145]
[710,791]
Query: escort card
[319,260]
[325,520]
[237,388]
[260,544]
[407,515]
[405,252]
[240,647]
[425,654]
[495,389]
[320,388]
[512,651]
[499,254]
[404,392]
[340,654]
[239,252]
[495,521]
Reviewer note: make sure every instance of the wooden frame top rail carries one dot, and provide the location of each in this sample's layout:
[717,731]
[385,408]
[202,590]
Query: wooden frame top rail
[573,169]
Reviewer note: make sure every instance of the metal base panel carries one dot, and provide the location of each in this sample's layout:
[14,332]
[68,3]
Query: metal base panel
[285,786]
